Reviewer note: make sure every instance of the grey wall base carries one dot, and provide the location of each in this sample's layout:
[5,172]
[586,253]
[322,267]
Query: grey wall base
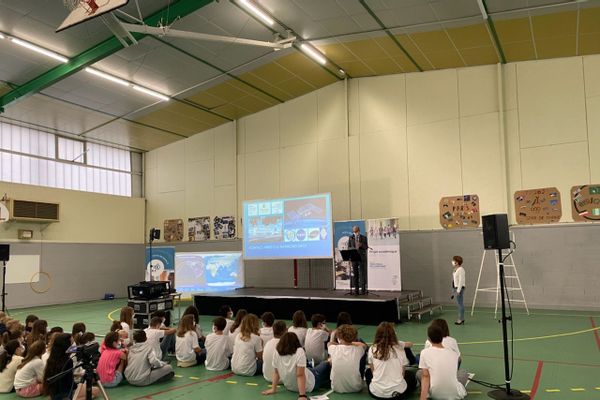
[559,267]
[79,272]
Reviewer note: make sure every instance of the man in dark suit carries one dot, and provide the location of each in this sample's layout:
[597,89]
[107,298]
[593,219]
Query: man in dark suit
[359,268]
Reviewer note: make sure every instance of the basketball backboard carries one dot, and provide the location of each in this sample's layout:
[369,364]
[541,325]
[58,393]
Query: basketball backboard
[84,10]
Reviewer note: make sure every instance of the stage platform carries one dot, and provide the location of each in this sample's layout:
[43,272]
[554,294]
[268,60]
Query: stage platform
[283,302]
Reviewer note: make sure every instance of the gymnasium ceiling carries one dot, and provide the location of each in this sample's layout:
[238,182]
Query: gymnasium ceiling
[210,83]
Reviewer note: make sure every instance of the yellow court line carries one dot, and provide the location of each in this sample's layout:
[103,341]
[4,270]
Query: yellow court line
[109,316]
[231,382]
[194,378]
[552,390]
[577,390]
[557,335]
[251,384]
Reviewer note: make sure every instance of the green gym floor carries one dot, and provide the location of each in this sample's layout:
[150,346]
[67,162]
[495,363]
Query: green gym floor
[557,354]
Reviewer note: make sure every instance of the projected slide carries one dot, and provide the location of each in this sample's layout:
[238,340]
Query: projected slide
[208,272]
[298,227]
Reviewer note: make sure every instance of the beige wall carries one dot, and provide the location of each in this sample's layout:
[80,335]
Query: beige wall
[84,217]
[195,177]
[394,145]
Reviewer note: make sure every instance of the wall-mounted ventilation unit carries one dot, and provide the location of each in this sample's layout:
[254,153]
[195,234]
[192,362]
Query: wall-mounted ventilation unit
[33,211]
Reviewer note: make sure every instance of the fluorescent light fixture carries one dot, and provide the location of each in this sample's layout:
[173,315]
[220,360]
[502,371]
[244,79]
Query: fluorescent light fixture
[263,16]
[2,36]
[107,76]
[484,13]
[313,53]
[39,50]
[342,71]
[150,92]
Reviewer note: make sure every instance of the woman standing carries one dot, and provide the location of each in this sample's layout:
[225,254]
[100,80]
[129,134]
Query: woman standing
[458,288]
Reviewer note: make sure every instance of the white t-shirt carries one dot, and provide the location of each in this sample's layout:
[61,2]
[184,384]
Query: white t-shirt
[7,377]
[266,334]
[442,364]
[448,342]
[300,332]
[268,353]
[228,327]
[184,347]
[153,337]
[31,373]
[243,361]
[315,344]
[218,350]
[286,366]
[345,365]
[125,327]
[387,375]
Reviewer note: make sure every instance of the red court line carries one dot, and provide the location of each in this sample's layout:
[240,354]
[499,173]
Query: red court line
[536,380]
[595,333]
[212,379]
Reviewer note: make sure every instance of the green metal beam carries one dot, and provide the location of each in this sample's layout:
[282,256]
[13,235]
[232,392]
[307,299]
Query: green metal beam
[387,31]
[492,27]
[166,16]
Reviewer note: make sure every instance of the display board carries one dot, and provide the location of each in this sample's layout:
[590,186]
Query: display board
[538,206]
[173,230]
[208,272]
[287,228]
[224,227]
[384,254]
[198,229]
[341,233]
[160,264]
[585,203]
[460,212]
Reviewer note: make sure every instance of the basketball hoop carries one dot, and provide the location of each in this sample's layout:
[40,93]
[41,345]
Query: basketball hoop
[90,6]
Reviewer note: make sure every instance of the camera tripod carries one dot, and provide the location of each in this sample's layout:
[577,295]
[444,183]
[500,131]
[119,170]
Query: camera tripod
[89,377]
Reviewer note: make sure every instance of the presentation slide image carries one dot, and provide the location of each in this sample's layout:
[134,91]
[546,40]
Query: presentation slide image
[265,229]
[288,228]
[208,272]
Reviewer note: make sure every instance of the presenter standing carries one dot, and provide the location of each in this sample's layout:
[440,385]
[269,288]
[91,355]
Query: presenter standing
[359,268]
[458,288]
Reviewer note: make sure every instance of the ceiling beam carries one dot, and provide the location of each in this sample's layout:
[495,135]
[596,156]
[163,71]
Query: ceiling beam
[493,32]
[166,16]
[387,31]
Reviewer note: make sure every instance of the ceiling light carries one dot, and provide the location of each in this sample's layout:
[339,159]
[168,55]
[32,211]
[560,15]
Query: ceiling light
[342,71]
[484,13]
[123,82]
[107,76]
[40,50]
[263,16]
[313,53]
[2,36]
[151,92]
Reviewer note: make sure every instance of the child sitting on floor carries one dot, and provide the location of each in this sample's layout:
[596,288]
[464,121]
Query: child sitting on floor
[144,367]
[279,329]
[218,347]
[346,355]
[316,338]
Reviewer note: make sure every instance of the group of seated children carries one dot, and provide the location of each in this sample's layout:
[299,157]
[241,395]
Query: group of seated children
[302,359]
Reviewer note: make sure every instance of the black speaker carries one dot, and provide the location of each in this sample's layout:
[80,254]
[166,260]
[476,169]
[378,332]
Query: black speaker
[4,252]
[495,231]
[154,234]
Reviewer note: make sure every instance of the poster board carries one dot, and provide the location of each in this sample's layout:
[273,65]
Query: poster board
[23,269]
[384,254]
[173,230]
[198,229]
[460,212]
[537,206]
[585,203]
[160,264]
[341,233]
[224,227]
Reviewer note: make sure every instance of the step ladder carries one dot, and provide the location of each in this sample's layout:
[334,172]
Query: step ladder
[513,283]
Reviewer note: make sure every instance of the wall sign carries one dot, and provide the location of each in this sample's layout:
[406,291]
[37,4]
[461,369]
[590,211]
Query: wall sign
[538,206]
[459,212]
[585,203]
